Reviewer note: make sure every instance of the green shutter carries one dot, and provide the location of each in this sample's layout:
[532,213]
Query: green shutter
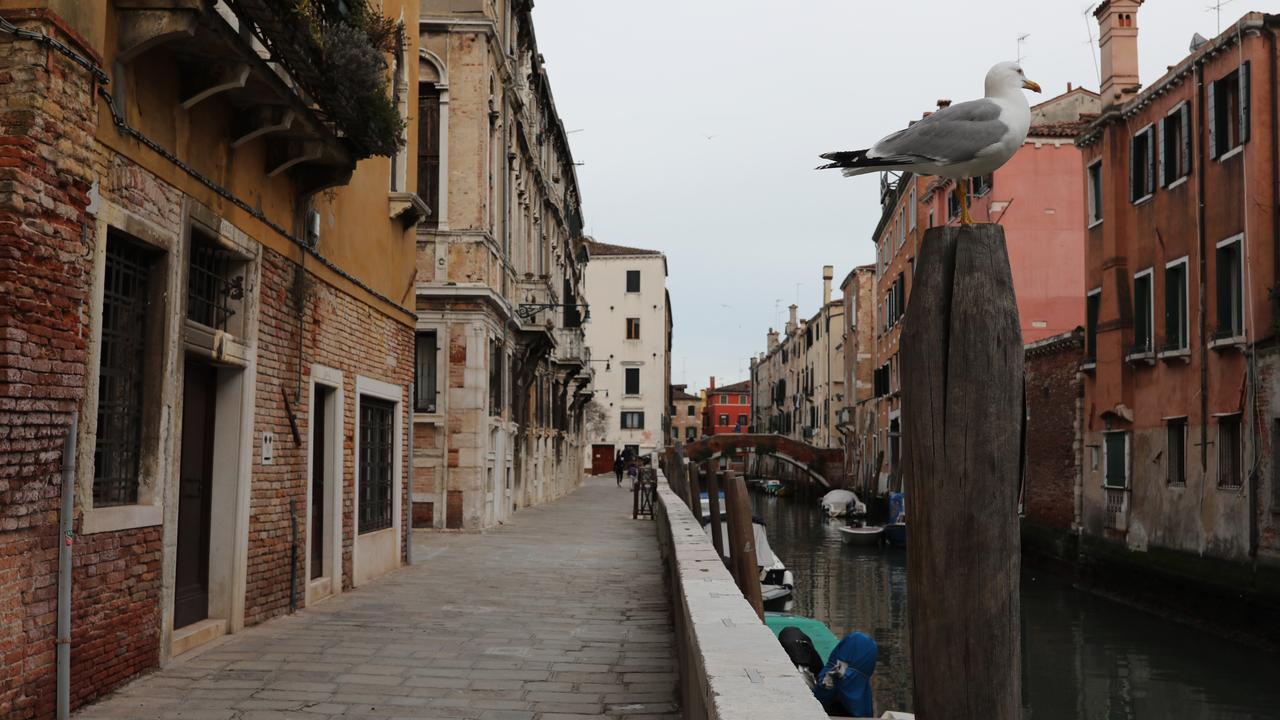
[1161,139]
[1244,103]
[1186,138]
[1213,121]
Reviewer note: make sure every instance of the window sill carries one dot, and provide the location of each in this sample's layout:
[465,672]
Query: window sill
[1093,224]
[1180,181]
[408,208]
[1117,489]
[120,517]
[1235,342]
[1088,366]
[1231,153]
[427,416]
[1183,354]
[1144,357]
[1143,200]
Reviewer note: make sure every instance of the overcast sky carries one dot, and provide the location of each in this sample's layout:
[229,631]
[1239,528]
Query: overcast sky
[699,123]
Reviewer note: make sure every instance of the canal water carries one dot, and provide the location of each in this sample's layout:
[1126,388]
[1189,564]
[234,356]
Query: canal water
[1084,657]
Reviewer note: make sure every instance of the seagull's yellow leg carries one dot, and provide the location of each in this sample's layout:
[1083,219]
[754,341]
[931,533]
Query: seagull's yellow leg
[963,186]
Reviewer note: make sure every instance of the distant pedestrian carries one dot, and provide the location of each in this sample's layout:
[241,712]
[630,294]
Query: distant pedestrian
[618,466]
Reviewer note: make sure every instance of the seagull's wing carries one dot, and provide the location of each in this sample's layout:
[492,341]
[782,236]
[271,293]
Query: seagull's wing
[958,133]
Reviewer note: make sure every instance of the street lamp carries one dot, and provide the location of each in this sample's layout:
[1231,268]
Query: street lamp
[528,311]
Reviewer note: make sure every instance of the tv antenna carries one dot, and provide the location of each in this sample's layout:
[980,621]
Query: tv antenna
[1022,39]
[1088,29]
[1217,9]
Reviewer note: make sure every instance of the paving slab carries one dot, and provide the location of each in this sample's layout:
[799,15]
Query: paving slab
[559,613]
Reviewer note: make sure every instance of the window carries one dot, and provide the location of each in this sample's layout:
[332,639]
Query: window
[902,226]
[1175,145]
[675,433]
[742,421]
[377,443]
[1230,455]
[633,328]
[496,374]
[691,411]
[118,449]
[724,420]
[953,205]
[1143,312]
[1229,112]
[981,185]
[912,206]
[1230,289]
[215,282]
[1116,449]
[1142,176]
[742,399]
[1175,305]
[429,151]
[632,420]
[690,433]
[724,399]
[632,380]
[1176,430]
[895,301]
[1091,303]
[424,374]
[1093,177]
[633,281]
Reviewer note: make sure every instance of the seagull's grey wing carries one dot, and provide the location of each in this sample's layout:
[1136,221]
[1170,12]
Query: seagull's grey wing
[953,134]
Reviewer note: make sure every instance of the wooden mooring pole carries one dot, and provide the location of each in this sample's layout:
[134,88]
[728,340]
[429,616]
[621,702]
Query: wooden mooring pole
[713,507]
[962,388]
[742,541]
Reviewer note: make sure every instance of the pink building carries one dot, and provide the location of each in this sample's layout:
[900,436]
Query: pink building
[1036,198]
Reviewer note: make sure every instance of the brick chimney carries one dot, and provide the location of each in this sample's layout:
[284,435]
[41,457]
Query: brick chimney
[827,273]
[1118,45]
[773,340]
[791,324]
[713,383]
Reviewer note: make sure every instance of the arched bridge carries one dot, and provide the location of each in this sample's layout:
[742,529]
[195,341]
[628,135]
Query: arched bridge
[823,465]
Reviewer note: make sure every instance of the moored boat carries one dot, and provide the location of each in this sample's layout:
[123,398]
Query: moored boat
[842,503]
[866,535]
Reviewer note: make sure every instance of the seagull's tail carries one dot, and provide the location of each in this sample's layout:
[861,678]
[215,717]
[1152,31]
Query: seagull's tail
[854,162]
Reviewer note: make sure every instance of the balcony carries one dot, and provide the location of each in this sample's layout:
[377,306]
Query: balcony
[571,347]
[317,119]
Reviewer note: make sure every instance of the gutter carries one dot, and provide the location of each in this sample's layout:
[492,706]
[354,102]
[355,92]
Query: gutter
[66,517]
[1202,270]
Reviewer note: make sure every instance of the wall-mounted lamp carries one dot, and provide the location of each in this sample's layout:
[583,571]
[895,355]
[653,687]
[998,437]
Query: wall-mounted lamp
[528,311]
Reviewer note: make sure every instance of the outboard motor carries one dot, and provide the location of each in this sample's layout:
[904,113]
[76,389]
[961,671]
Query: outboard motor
[802,653]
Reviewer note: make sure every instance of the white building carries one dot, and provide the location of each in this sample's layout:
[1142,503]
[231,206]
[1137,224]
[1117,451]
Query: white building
[629,338]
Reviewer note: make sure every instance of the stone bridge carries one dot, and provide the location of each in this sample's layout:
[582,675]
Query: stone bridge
[822,465]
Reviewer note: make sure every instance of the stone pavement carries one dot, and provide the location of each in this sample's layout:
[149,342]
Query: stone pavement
[560,614]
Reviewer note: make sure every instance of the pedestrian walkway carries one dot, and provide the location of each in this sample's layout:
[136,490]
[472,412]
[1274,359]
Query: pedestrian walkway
[559,614]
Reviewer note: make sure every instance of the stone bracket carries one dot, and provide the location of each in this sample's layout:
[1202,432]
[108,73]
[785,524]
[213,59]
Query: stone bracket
[266,120]
[228,77]
[142,29]
[293,154]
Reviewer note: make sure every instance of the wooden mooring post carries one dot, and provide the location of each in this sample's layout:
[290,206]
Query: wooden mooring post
[742,541]
[713,507]
[962,393]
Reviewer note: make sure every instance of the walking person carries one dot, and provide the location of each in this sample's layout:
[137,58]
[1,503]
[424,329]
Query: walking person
[618,467]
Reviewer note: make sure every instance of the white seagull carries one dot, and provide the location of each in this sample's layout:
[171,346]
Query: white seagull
[957,142]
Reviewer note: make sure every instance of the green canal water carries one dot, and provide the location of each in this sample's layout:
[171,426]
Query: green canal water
[1084,657]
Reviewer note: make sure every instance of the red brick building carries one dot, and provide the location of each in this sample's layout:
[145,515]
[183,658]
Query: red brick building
[1181,413]
[234,342]
[727,409]
[1053,386]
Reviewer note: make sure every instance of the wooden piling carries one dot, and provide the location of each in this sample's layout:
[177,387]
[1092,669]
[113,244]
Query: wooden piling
[742,541]
[693,487]
[713,508]
[962,388]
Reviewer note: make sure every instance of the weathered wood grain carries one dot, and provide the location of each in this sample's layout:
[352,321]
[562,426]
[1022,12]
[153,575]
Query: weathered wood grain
[742,541]
[962,385]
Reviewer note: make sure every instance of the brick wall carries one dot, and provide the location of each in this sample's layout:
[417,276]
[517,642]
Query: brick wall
[1053,391]
[338,332]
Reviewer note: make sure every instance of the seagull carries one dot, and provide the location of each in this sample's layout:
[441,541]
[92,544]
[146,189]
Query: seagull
[957,142]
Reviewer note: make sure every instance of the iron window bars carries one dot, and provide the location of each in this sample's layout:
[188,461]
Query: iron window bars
[377,445]
[210,285]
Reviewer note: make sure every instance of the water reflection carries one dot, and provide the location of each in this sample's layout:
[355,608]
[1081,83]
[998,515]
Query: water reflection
[1083,656]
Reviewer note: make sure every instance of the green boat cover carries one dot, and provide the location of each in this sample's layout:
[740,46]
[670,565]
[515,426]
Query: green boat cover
[823,641]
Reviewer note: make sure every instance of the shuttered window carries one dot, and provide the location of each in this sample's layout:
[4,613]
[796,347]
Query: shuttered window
[1230,289]
[1142,164]
[429,151]
[1091,304]
[1230,452]
[1142,313]
[632,420]
[1094,178]
[633,281]
[424,376]
[632,381]
[1176,434]
[1229,106]
[1175,305]
[1117,459]
[1175,145]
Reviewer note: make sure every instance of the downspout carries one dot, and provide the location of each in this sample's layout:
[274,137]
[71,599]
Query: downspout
[1203,277]
[64,567]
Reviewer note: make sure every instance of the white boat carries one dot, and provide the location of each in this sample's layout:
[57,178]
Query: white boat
[776,581]
[842,503]
[869,535]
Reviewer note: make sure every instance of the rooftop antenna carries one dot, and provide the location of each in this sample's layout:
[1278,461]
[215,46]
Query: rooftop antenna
[1088,28]
[1022,39]
[1217,8]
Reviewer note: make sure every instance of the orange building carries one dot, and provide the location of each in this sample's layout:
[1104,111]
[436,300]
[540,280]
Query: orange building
[727,409]
[1036,198]
[1181,407]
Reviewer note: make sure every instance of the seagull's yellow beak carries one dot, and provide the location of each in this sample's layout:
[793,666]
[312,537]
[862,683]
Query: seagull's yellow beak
[1032,86]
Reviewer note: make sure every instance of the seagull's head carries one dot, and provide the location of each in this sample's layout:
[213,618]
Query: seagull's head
[1007,78]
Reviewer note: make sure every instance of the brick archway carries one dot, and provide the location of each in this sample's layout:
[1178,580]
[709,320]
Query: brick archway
[825,465]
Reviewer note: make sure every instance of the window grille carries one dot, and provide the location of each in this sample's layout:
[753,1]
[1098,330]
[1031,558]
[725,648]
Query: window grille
[424,383]
[210,285]
[117,452]
[377,445]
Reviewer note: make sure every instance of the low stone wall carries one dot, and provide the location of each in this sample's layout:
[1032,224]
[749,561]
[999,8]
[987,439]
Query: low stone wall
[731,666]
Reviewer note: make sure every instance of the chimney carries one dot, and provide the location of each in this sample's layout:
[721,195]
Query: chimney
[773,340]
[791,324]
[943,103]
[713,383]
[827,273]
[1118,45]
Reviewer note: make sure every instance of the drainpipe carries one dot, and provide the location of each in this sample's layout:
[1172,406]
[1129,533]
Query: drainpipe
[64,567]
[1203,273]
[413,401]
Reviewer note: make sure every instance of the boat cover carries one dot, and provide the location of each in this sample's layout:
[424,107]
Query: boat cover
[844,685]
[842,499]
[822,638]
[800,649]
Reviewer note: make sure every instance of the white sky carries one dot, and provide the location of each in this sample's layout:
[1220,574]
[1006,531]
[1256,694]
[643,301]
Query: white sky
[745,221]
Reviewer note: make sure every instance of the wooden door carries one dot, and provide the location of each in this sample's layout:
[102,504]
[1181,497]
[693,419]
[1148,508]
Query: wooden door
[191,575]
[319,452]
[601,459]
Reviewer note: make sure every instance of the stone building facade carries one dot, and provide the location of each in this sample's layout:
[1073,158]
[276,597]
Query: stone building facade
[686,415]
[1181,408]
[797,384]
[857,416]
[503,372]
[202,272]
[1054,386]
[630,341]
